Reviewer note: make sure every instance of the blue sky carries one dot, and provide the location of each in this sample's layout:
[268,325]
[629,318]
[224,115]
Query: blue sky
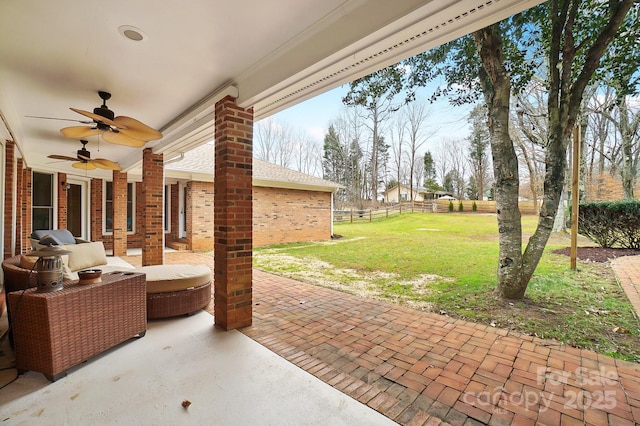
[314,115]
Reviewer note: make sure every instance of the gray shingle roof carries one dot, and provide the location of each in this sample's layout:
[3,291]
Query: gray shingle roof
[201,159]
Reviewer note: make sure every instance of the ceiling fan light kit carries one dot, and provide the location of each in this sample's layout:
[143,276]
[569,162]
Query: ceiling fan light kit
[119,130]
[83,160]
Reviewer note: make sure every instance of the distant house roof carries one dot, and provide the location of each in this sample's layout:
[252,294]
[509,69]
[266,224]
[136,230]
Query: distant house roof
[198,165]
[416,189]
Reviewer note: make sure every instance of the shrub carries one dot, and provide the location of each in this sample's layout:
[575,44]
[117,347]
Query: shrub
[474,206]
[460,206]
[611,223]
[450,206]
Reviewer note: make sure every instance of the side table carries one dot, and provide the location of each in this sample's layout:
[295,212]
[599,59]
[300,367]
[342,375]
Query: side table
[55,331]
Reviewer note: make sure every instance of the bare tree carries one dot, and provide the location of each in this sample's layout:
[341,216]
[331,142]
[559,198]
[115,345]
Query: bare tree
[441,160]
[266,139]
[397,142]
[415,115]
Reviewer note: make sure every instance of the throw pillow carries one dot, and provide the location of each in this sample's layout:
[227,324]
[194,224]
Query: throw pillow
[50,240]
[85,256]
[27,262]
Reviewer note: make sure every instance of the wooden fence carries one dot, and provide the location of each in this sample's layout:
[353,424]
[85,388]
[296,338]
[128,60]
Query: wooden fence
[439,206]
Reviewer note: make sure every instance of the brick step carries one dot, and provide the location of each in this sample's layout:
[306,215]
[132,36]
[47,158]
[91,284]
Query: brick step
[179,245]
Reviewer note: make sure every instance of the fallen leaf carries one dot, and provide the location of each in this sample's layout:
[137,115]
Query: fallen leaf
[620,330]
[186,403]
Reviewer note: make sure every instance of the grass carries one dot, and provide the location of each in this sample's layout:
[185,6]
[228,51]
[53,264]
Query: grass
[446,263]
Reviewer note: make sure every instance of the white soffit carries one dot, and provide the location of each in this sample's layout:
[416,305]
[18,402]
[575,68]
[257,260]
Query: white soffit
[432,24]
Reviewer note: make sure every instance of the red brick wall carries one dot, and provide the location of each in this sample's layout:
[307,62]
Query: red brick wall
[120,194]
[233,217]
[96,211]
[279,216]
[20,206]
[135,240]
[290,215]
[152,200]
[27,214]
[199,217]
[9,196]
[62,201]
[175,213]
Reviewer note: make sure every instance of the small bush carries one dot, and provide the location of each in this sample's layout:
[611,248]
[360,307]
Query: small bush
[460,206]
[474,206]
[611,223]
[450,206]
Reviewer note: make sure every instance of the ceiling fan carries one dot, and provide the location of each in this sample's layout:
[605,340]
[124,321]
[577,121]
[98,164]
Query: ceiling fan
[83,160]
[117,130]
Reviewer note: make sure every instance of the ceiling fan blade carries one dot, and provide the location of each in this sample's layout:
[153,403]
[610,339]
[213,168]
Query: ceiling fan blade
[122,139]
[61,119]
[97,118]
[61,157]
[77,132]
[84,166]
[137,129]
[105,164]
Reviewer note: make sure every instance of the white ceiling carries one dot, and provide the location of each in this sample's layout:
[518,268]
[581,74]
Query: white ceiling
[270,54]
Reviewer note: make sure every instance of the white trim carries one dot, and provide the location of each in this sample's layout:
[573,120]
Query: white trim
[166,207]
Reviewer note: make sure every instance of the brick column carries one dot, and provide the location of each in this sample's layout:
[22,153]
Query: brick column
[62,201]
[119,213]
[153,198]
[9,197]
[233,214]
[96,209]
[20,206]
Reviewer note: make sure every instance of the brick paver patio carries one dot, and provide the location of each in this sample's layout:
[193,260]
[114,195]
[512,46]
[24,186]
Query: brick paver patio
[421,368]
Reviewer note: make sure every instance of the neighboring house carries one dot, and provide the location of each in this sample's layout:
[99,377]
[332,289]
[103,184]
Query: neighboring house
[391,195]
[288,206]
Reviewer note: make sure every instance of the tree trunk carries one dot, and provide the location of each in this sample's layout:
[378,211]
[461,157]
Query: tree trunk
[628,174]
[505,164]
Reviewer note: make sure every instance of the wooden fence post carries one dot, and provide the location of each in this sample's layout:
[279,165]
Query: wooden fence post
[370,214]
[351,212]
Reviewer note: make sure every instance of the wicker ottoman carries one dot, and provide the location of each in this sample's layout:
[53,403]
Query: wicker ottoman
[174,290]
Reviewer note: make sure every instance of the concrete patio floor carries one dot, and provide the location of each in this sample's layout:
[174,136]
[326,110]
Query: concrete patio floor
[413,367]
[228,378]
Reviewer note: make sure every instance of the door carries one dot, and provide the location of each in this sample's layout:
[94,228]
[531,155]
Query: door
[74,210]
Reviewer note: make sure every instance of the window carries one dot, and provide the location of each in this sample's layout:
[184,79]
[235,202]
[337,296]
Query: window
[404,197]
[108,207]
[42,201]
[167,208]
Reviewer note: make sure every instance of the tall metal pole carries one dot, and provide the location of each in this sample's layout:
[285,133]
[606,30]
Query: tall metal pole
[575,196]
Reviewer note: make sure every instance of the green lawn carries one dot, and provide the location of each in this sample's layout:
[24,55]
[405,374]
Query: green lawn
[446,263]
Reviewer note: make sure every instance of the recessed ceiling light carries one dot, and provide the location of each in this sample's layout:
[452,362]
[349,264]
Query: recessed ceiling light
[132,33]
